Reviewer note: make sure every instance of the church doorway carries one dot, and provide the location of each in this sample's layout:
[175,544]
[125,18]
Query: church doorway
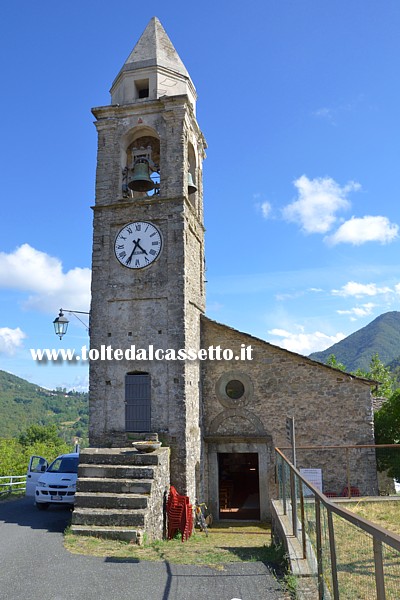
[239,485]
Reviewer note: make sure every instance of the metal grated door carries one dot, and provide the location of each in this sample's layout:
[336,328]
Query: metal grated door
[137,402]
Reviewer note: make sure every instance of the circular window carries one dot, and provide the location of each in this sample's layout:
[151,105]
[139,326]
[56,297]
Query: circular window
[234,389]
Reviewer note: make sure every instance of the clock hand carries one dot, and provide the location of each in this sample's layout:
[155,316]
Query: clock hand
[136,245]
[129,259]
[142,249]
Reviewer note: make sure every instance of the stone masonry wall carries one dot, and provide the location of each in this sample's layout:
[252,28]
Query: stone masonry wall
[159,487]
[159,305]
[329,407]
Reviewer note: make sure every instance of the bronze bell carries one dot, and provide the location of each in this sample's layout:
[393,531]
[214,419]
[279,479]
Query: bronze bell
[192,188]
[141,180]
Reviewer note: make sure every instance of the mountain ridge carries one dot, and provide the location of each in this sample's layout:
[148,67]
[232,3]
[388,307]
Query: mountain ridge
[381,336]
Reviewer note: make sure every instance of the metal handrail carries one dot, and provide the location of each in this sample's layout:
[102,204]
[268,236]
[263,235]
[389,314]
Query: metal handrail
[382,534]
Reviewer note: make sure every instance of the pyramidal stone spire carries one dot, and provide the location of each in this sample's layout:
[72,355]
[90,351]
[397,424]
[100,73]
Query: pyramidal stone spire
[156,48]
[152,70]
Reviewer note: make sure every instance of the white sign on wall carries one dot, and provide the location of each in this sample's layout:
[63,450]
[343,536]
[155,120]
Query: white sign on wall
[314,476]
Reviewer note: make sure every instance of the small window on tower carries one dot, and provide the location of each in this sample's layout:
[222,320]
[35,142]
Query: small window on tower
[142,88]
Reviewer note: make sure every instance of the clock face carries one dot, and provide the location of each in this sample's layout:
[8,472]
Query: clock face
[138,244]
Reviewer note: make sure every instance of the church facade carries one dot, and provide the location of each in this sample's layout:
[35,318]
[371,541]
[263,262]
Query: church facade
[220,418]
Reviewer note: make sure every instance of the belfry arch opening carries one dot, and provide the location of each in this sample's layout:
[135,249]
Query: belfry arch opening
[141,153]
[192,175]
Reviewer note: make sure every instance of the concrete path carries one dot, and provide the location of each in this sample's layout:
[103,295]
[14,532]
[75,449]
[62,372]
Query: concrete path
[34,565]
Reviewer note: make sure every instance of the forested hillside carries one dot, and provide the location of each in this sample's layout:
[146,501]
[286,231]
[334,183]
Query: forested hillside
[23,404]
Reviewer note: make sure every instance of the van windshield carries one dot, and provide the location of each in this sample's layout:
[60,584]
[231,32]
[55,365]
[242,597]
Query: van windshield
[64,465]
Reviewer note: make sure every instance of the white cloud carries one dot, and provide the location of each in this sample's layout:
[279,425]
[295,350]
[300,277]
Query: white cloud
[316,210]
[79,384]
[358,290]
[266,209]
[358,311]
[358,231]
[330,113]
[324,113]
[298,294]
[10,340]
[280,297]
[41,275]
[318,202]
[304,343]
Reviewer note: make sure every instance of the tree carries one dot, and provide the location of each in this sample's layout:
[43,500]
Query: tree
[332,361]
[12,461]
[47,434]
[387,431]
[14,456]
[378,372]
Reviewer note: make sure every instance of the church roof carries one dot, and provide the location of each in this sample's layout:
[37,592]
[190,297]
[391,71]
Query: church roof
[154,48]
[205,320]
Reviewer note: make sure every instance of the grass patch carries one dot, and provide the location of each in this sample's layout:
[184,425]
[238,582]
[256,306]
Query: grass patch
[385,513]
[355,553]
[224,544]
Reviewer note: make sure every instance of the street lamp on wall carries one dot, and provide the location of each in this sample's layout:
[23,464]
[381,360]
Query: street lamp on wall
[61,322]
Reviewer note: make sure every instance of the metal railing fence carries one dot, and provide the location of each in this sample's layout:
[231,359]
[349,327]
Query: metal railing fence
[349,557]
[351,471]
[12,483]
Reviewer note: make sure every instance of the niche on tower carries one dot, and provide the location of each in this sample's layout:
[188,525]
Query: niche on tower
[141,164]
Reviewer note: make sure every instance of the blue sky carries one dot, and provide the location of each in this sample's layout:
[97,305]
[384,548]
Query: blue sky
[298,101]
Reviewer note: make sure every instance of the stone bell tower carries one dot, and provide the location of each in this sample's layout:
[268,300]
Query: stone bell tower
[148,257]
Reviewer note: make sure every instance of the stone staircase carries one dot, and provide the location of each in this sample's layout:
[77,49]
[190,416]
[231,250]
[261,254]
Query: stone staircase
[120,493]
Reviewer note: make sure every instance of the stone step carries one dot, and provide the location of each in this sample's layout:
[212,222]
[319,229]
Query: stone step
[102,500]
[116,471]
[117,456]
[127,534]
[108,516]
[114,486]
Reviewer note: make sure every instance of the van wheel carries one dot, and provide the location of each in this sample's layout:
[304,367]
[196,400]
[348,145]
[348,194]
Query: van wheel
[42,505]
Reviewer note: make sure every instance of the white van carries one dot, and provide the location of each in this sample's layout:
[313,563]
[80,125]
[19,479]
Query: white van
[54,484]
